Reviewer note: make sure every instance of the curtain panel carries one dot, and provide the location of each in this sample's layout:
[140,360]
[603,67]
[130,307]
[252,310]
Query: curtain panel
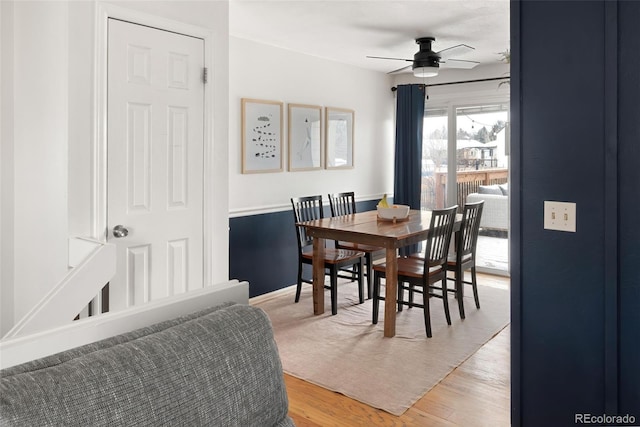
[408,151]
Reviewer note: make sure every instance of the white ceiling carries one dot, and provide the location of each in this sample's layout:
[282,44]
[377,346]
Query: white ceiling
[348,31]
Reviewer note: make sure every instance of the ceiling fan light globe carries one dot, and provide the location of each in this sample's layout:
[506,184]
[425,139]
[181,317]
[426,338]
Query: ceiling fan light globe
[425,71]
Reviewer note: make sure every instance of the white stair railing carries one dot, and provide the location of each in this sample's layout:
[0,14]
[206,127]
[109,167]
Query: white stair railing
[28,347]
[92,265]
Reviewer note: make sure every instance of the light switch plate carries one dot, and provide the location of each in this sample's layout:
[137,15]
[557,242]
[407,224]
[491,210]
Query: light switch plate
[560,216]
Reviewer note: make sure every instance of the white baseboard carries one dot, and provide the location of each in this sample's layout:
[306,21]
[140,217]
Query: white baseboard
[270,295]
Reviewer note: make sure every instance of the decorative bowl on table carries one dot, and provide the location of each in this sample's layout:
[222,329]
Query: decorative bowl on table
[394,212]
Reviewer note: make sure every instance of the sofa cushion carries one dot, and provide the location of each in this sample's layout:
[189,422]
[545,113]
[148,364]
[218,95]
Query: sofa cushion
[495,213]
[490,189]
[504,188]
[218,368]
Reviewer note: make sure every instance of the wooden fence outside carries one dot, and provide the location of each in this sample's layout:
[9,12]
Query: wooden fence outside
[434,187]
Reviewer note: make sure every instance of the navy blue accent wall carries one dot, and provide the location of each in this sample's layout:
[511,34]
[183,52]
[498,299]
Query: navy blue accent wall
[263,249]
[629,199]
[576,138]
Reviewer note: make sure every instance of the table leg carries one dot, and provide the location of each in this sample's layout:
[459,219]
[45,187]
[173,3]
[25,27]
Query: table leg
[390,293]
[318,275]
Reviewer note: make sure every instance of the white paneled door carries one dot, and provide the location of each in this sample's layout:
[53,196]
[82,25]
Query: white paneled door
[155,144]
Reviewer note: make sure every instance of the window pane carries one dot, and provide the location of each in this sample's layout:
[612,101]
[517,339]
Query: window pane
[481,159]
[434,159]
[480,148]
[481,137]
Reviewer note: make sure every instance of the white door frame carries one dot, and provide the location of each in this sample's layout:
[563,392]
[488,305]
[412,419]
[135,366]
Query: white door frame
[99,158]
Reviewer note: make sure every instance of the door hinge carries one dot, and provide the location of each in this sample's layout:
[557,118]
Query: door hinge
[205,75]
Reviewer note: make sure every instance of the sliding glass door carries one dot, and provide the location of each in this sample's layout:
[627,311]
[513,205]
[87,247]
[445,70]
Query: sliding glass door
[482,164]
[471,163]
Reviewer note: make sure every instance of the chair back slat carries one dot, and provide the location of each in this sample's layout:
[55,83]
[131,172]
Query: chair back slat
[306,209]
[342,203]
[440,230]
[468,236]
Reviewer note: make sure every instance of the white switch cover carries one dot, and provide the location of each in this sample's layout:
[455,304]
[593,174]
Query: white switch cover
[560,216]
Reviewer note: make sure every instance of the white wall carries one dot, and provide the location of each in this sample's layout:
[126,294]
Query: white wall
[6,165]
[41,87]
[264,72]
[48,132]
[80,116]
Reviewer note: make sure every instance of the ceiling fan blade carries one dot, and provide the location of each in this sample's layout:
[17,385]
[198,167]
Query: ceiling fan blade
[458,63]
[399,69]
[457,50]
[396,59]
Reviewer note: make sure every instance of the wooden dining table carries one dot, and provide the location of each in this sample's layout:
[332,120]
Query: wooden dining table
[367,228]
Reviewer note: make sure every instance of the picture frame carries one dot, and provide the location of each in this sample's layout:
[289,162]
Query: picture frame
[261,136]
[339,136]
[305,137]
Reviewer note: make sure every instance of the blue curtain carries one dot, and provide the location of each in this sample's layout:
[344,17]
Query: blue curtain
[408,154]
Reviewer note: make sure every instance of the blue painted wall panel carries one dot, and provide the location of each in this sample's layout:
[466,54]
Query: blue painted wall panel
[263,249]
[562,159]
[576,310]
[629,200]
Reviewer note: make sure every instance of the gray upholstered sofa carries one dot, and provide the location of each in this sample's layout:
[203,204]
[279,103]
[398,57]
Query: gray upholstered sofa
[216,367]
[495,213]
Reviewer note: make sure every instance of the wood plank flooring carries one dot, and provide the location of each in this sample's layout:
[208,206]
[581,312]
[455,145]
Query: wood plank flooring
[477,393]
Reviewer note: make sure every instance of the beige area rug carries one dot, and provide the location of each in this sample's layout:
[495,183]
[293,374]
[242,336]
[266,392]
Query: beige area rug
[348,354]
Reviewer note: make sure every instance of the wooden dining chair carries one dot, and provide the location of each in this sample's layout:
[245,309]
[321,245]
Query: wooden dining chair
[345,204]
[418,275]
[465,255]
[310,208]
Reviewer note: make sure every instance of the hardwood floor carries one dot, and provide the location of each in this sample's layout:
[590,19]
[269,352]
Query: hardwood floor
[477,393]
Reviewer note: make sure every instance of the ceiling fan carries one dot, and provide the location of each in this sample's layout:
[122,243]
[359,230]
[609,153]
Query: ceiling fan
[426,62]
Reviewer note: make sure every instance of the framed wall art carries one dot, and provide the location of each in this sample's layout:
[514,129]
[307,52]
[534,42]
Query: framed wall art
[339,138]
[261,136]
[305,137]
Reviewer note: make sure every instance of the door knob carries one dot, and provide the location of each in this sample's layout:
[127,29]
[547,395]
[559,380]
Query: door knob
[120,231]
